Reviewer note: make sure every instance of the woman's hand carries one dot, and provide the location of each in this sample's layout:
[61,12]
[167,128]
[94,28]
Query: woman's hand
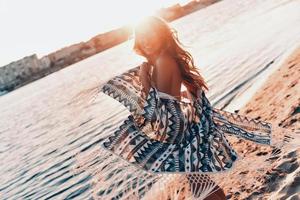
[145,71]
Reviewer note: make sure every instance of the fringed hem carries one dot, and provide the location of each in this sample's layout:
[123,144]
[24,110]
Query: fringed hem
[234,164]
[162,186]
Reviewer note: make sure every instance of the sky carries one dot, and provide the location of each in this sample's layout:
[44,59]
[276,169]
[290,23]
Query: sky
[44,26]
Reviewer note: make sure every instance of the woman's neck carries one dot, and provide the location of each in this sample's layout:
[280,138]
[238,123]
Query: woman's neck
[153,58]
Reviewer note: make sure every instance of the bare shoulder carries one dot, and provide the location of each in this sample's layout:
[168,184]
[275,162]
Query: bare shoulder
[166,65]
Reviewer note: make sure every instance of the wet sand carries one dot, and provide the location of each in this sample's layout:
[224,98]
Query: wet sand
[277,177]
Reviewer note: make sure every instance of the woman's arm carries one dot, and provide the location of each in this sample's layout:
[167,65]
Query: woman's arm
[145,76]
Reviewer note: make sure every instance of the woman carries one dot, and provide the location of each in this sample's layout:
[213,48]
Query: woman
[169,130]
[161,52]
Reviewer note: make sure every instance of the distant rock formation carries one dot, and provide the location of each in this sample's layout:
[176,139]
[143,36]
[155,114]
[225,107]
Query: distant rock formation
[22,71]
[176,11]
[74,53]
[30,68]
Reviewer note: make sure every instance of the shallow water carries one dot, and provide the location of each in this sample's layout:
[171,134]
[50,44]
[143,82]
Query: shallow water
[49,136]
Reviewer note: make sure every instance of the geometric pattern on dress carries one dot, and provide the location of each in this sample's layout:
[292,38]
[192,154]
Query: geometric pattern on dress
[165,135]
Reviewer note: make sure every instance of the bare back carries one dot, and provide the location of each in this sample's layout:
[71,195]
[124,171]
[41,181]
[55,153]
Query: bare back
[173,86]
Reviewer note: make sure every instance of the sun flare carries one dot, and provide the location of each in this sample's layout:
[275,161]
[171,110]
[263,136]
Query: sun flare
[72,21]
[133,11]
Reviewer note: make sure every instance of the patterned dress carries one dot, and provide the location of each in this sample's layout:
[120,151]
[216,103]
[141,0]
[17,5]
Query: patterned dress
[165,135]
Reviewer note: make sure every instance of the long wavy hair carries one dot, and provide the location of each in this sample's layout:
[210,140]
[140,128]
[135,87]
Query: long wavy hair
[168,37]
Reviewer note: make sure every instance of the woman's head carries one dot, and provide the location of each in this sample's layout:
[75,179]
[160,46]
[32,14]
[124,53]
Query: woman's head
[153,36]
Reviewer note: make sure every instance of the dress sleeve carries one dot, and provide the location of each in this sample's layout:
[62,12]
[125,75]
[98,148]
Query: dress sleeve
[239,125]
[151,104]
[126,88]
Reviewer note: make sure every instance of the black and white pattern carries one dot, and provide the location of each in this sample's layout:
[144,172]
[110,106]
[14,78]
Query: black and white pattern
[165,135]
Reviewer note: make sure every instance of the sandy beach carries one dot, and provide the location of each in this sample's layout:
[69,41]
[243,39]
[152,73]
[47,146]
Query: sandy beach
[277,177]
